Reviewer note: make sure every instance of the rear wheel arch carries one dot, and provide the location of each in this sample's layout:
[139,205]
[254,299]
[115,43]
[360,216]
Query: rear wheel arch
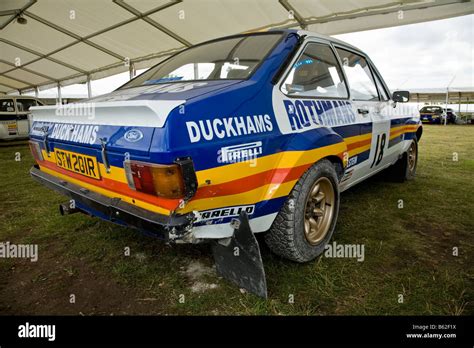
[338,164]
[335,156]
[419,132]
[334,159]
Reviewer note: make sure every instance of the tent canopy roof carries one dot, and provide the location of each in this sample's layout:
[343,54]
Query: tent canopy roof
[66,42]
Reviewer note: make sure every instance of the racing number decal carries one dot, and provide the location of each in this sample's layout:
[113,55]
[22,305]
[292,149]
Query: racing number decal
[381,140]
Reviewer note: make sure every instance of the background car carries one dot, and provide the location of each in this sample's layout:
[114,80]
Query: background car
[451,115]
[437,114]
[14,111]
[432,114]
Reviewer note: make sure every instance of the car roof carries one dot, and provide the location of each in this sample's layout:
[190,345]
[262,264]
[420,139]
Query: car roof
[327,38]
[319,36]
[294,31]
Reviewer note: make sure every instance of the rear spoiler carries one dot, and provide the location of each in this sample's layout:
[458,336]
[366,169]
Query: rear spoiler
[134,113]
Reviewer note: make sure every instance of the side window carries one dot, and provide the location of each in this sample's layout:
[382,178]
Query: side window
[359,76]
[25,104]
[382,92]
[6,105]
[316,74]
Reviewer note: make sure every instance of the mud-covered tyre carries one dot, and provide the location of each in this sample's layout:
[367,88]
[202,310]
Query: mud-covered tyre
[405,168]
[306,222]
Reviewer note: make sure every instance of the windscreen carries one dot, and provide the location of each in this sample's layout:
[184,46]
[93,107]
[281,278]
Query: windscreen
[232,58]
[432,109]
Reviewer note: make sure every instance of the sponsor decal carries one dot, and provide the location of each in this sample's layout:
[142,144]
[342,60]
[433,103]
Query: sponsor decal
[12,128]
[83,134]
[352,161]
[133,135]
[304,62]
[308,114]
[225,212]
[40,128]
[241,152]
[228,127]
[347,175]
[164,79]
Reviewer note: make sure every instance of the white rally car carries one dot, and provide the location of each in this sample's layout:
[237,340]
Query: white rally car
[252,133]
[14,111]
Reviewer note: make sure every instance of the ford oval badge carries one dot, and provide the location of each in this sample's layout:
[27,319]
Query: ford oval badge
[133,135]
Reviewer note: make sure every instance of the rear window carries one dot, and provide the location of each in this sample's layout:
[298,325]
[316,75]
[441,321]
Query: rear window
[232,58]
[6,105]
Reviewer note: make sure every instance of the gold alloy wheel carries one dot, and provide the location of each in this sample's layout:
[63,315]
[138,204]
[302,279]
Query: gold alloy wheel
[319,210]
[412,157]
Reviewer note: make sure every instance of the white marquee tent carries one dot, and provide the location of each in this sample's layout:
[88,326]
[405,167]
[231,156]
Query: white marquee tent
[47,43]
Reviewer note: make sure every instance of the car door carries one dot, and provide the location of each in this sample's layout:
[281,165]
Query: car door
[391,111]
[375,127]
[314,94]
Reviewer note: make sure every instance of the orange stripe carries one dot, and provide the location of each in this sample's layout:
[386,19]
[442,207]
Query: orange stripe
[251,182]
[357,144]
[397,131]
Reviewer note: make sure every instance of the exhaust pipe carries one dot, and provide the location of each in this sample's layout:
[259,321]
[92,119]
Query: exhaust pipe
[64,209]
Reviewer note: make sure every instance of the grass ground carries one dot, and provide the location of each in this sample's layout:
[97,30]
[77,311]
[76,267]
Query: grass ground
[408,251]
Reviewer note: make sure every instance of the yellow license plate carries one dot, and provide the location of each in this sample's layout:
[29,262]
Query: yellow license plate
[77,163]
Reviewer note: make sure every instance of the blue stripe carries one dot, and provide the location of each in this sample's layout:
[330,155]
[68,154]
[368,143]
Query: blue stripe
[395,141]
[409,136]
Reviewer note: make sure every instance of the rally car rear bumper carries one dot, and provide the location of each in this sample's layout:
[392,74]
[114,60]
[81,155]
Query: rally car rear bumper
[165,227]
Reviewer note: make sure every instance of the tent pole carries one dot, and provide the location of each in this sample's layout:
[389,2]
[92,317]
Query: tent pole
[60,99]
[447,95]
[459,104]
[89,87]
[132,71]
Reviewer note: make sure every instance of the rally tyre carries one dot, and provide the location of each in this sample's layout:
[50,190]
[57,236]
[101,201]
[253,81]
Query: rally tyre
[306,222]
[405,168]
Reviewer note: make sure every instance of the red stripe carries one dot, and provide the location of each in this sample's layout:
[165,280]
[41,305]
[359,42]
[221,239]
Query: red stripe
[251,182]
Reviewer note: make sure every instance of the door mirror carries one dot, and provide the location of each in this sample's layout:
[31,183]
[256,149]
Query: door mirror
[401,96]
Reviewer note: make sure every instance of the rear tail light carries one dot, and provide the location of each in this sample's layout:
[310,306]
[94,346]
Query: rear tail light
[36,150]
[156,179]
